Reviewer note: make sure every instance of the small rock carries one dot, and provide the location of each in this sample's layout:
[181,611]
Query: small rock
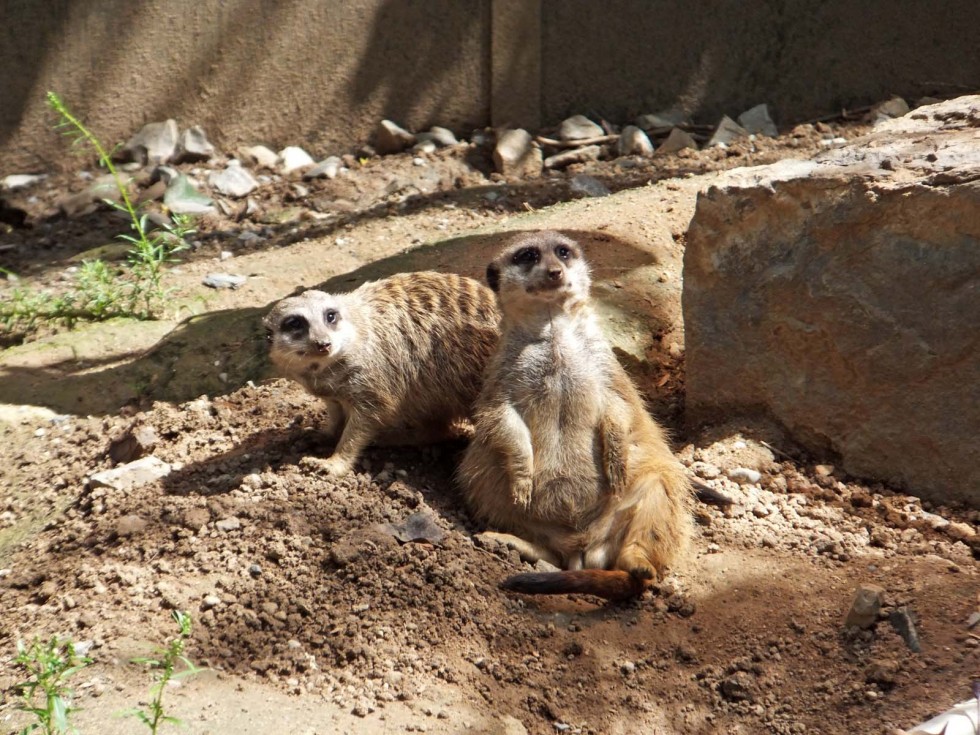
[627,668]
[223,280]
[973,620]
[131,474]
[678,140]
[154,143]
[390,137]
[516,155]
[506,725]
[261,156]
[255,570]
[130,525]
[705,469]
[824,470]
[901,620]
[895,107]
[744,476]
[328,168]
[579,127]
[960,531]
[230,523]
[193,146]
[588,186]
[292,158]
[210,601]
[424,146]
[661,121]
[868,599]
[884,673]
[576,155]
[233,181]
[441,136]
[738,687]
[419,526]
[727,131]
[756,120]
[634,142]
[20,181]
[182,198]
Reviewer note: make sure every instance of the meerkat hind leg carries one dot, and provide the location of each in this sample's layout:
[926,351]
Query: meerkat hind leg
[527,551]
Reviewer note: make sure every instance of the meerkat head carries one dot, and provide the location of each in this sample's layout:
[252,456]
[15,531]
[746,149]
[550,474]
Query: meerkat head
[542,268]
[308,330]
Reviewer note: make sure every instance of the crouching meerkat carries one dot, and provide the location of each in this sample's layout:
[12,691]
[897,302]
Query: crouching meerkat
[565,459]
[401,355]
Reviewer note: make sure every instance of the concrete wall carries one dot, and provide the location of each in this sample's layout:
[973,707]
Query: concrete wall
[321,73]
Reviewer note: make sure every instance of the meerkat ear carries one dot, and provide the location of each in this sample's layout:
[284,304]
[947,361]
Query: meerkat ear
[493,277]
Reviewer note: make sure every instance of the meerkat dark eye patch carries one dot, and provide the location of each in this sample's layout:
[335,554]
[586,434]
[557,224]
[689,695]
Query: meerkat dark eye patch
[331,316]
[294,324]
[493,277]
[564,252]
[526,256]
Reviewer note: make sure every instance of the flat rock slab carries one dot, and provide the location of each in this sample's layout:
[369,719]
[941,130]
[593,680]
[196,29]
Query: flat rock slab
[841,298]
[132,474]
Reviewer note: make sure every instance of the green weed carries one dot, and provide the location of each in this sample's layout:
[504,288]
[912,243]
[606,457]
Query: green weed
[165,661]
[45,693]
[101,291]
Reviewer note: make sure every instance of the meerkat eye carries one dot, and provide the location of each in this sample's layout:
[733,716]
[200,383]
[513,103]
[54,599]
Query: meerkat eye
[330,316]
[293,324]
[563,252]
[526,256]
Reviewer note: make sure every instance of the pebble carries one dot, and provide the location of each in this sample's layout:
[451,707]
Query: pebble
[705,470]
[131,474]
[516,154]
[867,602]
[727,131]
[579,127]
[895,107]
[678,140]
[210,601]
[234,180]
[20,181]
[182,197]
[973,620]
[194,145]
[634,142]
[744,476]
[231,523]
[901,620]
[389,137]
[154,143]
[576,155]
[328,168]
[292,158]
[756,120]
[441,136]
[223,280]
[425,146]
[261,155]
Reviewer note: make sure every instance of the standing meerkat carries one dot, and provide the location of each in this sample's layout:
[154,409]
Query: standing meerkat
[565,458]
[403,355]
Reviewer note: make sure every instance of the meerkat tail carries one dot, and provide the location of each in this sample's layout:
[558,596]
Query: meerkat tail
[610,584]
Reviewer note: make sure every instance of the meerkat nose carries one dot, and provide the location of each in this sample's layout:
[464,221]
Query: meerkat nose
[321,346]
[555,274]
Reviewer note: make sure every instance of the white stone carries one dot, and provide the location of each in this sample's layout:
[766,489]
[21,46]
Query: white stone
[328,168]
[744,475]
[261,155]
[233,181]
[634,142]
[292,158]
[154,143]
[20,181]
[132,474]
[579,127]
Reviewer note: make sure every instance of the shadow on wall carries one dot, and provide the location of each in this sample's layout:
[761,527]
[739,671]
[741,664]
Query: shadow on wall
[406,71]
[218,352]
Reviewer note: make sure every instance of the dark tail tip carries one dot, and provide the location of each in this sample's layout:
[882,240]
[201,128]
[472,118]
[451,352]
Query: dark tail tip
[608,584]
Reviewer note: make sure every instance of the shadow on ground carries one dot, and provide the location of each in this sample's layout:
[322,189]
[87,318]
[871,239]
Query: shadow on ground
[218,352]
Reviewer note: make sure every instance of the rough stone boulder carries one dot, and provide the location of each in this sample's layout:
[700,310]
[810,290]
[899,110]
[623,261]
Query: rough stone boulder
[840,298]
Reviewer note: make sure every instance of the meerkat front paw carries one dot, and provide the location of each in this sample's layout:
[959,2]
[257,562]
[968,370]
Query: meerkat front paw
[521,490]
[332,467]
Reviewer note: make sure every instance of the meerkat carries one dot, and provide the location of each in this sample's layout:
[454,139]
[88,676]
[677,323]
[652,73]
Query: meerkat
[403,355]
[565,459]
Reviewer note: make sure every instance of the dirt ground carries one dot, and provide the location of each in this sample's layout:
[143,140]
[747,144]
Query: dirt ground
[312,617]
